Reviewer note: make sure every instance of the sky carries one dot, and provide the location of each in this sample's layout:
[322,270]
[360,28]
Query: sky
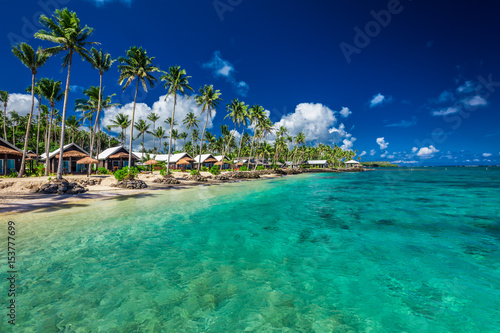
[413,82]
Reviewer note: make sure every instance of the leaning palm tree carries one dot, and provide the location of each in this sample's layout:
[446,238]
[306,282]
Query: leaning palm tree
[208,99]
[239,115]
[136,65]
[123,123]
[64,29]
[51,90]
[255,114]
[33,60]
[4,98]
[154,118]
[142,127]
[38,92]
[176,82]
[102,62]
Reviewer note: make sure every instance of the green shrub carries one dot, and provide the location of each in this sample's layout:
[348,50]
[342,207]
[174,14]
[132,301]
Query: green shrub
[163,172]
[39,170]
[13,174]
[194,173]
[243,168]
[103,171]
[215,170]
[204,168]
[126,173]
[260,167]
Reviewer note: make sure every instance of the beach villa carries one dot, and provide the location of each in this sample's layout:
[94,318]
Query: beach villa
[352,164]
[71,154]
[206,160]
[317,163]
[219,162]
[177,161]
[115,158]
[10,158]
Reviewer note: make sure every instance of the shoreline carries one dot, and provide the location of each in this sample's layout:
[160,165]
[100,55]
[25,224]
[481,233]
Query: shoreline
[17,202]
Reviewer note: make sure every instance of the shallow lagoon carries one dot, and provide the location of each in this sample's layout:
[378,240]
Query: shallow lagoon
[383,251]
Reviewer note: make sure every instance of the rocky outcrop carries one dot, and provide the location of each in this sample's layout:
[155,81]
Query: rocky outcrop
[131,184]
[90,182]
[243,174]
[220,177]
[58,186]
[166,180]
[198,178]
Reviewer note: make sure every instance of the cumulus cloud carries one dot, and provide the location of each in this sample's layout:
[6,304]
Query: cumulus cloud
[378,99]
[487,155]
[345,112]
[446,111]
[475,101]
[363,153]
[382,144]
[163,108]
[223,68]
[319,124]
[372,152]
[414,149]
[427,152]
[21,103]
[404,123]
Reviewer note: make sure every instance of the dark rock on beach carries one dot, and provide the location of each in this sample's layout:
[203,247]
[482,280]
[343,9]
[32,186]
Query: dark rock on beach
[166,180]
[61,186]
[198,178]
[131,184]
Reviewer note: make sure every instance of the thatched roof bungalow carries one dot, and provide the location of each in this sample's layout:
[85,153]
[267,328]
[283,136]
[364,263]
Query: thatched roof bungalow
[71,154]
[206,160]
[115,158]
[10,158]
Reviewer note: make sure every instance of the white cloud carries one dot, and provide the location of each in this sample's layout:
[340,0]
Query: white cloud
[475,101]
[21,103]
[347,143]
[223,68]
[345,112]
[318,122]
[467,87]
[405,162]
[377,99]
[382,144]
[372,152]
[427,152]
[414,149]
[444,112]
[363,153]
[164,110]
[487,155]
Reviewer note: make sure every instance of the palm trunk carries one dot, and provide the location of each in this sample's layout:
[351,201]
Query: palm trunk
[251,149]
[171,129]
[5,121]
[201,142]
[47,142]
[63,124]
[239,149]
[154,146]
[96,121]
[132,127]
[38,130]
[23,160]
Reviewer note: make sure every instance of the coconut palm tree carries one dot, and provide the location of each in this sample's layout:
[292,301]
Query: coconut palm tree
[38,92]
[183,136]
[122,122]
[73,124]
[160,134]
[154,118]
[14,120]
[51,90]
[136,65]
[176,82]
[174,136]
[191,122]
[64,29]
[102,62]
[255,114]
[32,60]
[142,127]
[239,115]
[208,99]
[4,98]
[195,137]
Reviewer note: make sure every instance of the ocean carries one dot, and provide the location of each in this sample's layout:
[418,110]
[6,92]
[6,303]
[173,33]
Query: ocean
[392,250]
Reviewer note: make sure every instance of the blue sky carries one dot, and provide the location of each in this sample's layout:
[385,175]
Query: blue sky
[407,81]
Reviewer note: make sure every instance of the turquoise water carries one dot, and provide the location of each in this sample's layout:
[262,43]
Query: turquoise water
[383,251]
